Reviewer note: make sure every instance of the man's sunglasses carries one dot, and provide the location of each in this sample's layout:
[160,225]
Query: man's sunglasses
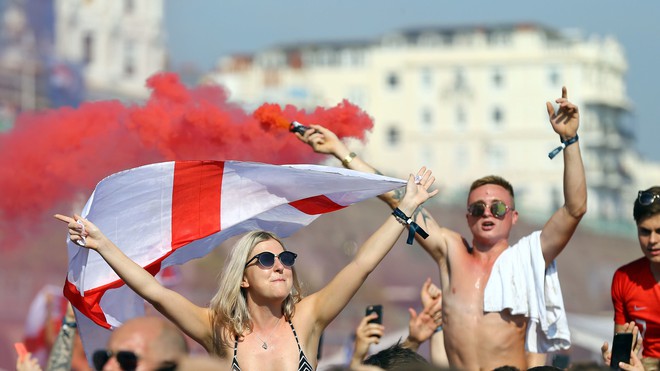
[498,209]
[127,360]
[266,259]
[645,198]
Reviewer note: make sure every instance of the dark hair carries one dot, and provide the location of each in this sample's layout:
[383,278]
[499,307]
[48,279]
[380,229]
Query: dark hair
[396,357]
[589,366]
[641,212]
[493,179]
[507,368]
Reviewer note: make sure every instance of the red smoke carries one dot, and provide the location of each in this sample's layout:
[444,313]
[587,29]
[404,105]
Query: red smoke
[52,158]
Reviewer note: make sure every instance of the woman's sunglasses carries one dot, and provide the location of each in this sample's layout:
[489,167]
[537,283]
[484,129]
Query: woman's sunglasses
[127,360]
[645,198]
[266,259]
[498,209]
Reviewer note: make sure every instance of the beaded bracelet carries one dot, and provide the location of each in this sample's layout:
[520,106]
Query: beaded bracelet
[413,227]
[564,144]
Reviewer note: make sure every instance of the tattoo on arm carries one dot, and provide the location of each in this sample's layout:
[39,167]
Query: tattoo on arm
[60,355]
[425,215]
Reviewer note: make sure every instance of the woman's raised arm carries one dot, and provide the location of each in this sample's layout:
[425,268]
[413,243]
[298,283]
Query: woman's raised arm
[190,318]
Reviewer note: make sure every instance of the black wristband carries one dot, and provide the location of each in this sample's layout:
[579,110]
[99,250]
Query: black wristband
[564,144]
[413,227]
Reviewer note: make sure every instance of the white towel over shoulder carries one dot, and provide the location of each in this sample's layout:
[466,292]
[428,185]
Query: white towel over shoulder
[520,282]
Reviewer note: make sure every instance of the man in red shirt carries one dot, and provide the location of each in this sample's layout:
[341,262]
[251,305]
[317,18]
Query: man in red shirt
[636,287]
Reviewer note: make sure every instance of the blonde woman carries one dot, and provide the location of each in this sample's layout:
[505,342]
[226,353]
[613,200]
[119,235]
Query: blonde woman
[258,318]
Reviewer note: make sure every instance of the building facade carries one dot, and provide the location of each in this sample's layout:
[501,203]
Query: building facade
[119,43]
[466,102]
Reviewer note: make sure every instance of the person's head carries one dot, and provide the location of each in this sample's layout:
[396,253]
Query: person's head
[396,357]
[589,366]
[491,210]
[142,343]
[647,216]
[255,270]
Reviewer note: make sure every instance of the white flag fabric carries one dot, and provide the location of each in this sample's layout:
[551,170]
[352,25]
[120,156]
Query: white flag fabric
[168,213]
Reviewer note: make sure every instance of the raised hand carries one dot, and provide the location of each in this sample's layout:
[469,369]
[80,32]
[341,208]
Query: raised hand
[323,140]
[421,327]
[430,292]
[566,120]
[83,232]
[27,363]
[417,188]
[365,335]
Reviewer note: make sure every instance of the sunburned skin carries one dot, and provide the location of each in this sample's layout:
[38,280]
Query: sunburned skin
[474,338]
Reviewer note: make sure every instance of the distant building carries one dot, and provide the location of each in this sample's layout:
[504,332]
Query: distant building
[24,72]
[119,43]
[466,101]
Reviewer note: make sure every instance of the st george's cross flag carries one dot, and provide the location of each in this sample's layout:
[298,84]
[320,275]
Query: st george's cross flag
[168,213]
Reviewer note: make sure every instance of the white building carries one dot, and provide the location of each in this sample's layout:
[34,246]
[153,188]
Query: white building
[121,43]
[467,102]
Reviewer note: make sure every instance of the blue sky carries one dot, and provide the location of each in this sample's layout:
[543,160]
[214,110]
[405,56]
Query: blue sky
[200,31]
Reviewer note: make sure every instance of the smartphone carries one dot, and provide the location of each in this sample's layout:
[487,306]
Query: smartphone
[621,347]
[377,308]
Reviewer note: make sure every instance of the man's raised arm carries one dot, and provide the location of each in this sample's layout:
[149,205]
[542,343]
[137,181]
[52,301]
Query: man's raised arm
[561,226]
[323,140]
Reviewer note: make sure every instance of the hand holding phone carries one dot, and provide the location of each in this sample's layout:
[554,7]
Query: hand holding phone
[621,348]
[378,309]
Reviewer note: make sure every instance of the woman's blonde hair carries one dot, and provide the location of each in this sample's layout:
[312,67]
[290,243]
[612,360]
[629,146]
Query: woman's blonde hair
[229,312]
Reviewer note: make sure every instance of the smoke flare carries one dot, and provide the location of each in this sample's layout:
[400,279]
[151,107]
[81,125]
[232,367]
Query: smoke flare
[53,158]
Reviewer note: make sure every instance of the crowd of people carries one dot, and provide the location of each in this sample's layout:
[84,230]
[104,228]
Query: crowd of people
[498,305]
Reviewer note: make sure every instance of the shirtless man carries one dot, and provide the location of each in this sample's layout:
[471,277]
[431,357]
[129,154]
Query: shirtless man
[475,338]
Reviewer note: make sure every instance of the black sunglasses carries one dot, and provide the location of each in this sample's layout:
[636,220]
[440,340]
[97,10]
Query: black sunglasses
[498,209]
[126,359]
[266,259]
[646,198]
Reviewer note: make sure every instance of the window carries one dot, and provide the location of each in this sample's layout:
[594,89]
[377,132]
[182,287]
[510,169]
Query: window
[461,118]
[554,77]
[459,79]
[392,80]
[393,136]
[462,158]
[498,117]
[129,6]
[426,154]
[129,58]
[426,117]
[88,48]
[498,78]
[426,78]
[496,156]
